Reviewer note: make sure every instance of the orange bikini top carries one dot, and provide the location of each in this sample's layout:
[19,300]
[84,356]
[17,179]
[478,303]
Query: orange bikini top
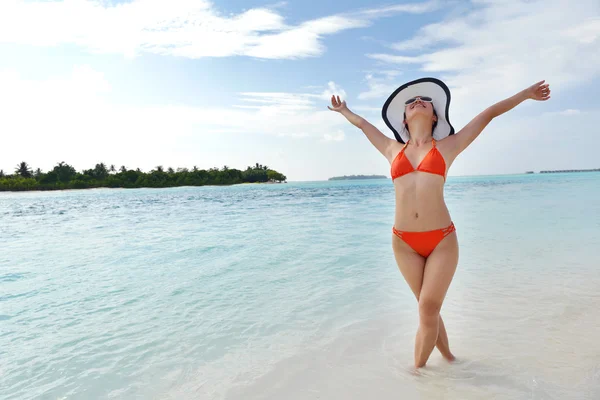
[433,163]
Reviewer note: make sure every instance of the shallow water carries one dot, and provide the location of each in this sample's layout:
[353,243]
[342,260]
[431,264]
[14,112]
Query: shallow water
[291,291]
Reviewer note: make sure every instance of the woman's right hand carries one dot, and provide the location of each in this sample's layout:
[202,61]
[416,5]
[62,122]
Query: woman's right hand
[337,104]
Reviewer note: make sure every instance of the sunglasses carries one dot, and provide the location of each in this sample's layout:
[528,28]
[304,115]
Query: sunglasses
[423,98]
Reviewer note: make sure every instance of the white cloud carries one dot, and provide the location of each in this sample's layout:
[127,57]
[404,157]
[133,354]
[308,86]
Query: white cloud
[417,8]
[185,28]
[587,32]
[533,142]
[338,136]
[499,48]
[570,112]
[389,58]
[367,109]
[71,118]
[433,34]
[379,86]
[279,103]
[333,89]
[566,113]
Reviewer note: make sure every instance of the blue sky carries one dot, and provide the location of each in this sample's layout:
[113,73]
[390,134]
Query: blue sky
[190,82]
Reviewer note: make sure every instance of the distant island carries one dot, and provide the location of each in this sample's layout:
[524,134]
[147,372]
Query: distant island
[570,170]
[565,170]
[347,177]
[64,176]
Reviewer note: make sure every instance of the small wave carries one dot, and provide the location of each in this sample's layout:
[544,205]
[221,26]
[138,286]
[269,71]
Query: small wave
[13,277]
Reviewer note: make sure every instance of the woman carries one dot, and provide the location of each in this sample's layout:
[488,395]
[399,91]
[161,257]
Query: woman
[424,239]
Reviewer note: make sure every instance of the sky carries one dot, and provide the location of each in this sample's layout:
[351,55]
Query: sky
[185,83]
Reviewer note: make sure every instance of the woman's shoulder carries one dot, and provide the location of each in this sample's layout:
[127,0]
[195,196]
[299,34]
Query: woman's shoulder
[394,149]
[445,146]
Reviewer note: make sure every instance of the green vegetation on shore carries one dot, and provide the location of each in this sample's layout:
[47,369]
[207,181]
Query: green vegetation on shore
[64,176]
[345,177]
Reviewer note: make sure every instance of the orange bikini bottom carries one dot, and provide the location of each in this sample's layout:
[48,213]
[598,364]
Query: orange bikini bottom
[424,242]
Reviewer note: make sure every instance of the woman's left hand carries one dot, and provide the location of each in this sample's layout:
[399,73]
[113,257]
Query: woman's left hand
[538,91]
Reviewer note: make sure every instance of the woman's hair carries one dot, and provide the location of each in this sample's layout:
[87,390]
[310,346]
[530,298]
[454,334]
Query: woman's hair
[434,123]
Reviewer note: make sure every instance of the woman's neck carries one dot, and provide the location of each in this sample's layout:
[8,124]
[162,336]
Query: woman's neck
[420,132]
[420,140]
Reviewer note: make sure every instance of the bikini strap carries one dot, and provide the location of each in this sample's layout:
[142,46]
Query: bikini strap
[433,142]
[405,144]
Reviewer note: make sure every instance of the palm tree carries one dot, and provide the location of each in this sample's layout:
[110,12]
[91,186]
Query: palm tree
[170,170]
[195,169]
[260,166]
[1,173]
[112,168]
[37,173]
[122,169]
[100,171]
[159,168]
[64,171]
[23,170]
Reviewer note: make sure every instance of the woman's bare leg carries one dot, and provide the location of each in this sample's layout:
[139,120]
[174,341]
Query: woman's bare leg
[439,271]
[442,342]
[412,267]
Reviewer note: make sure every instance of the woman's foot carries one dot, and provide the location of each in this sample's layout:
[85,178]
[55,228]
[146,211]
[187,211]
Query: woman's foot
[449,357]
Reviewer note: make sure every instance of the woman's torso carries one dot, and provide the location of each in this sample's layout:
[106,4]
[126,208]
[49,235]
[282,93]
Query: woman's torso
[419,190]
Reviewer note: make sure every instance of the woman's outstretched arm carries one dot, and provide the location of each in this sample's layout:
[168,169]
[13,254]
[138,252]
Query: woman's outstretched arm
[455,144]
[375,136]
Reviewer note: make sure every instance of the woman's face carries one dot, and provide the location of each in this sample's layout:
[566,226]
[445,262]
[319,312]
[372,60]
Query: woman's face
[419,108]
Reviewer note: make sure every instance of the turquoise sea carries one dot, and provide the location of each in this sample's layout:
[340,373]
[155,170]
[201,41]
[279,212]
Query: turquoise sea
[291,291]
